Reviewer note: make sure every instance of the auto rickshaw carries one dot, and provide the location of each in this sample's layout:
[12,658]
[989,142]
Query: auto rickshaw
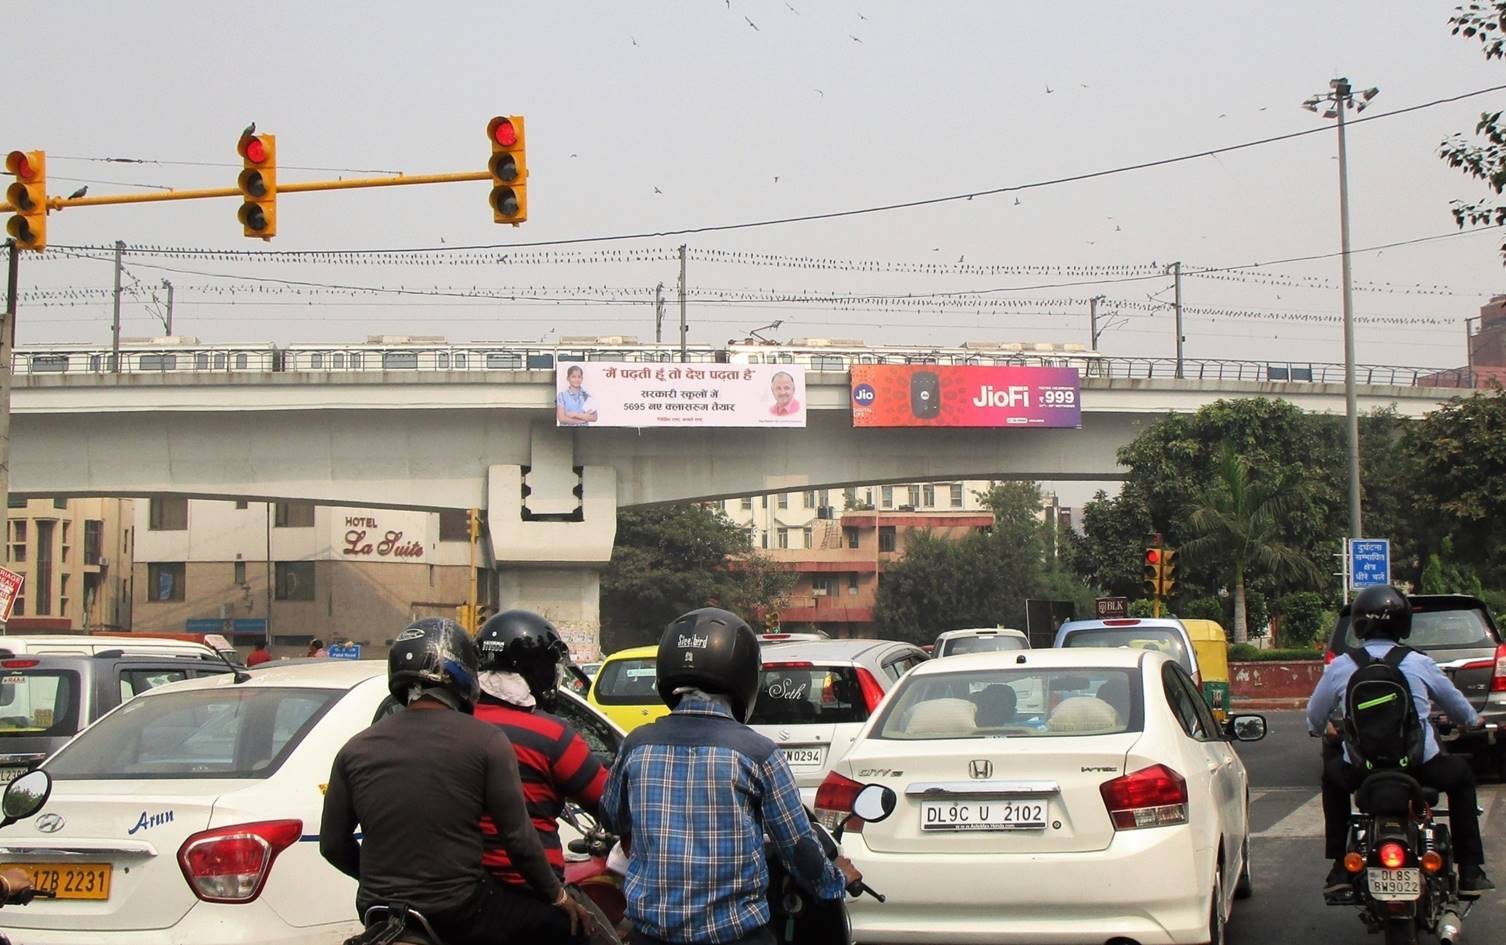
[1212,647]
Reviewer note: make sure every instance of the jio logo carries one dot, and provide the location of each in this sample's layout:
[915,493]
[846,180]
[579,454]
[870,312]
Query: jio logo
[863,394]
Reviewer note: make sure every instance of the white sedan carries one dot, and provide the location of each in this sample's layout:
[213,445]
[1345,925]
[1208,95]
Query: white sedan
[1048,796]
[191,813]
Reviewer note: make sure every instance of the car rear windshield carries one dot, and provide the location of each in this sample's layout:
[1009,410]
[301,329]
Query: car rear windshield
[959,645]
[1159,639]
[1440,629]
[797,694]
[244,732]
[1014,703]
[627,682]
[38,702]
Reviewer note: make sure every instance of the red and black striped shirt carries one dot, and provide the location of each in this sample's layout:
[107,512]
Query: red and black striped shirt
[555,764]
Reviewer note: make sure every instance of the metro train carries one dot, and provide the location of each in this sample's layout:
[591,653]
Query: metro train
[183,354]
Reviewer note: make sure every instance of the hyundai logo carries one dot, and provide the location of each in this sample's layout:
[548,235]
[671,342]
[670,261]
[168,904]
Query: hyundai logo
[980,768]
[50,823]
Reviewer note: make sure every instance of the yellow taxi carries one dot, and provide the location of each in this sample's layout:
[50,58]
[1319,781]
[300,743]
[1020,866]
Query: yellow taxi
[624,687]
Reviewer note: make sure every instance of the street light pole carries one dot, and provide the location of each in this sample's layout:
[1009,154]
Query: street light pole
[1341,99]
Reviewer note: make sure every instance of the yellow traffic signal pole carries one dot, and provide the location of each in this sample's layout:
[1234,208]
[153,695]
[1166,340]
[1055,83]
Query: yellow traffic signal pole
[401,180]
[473,527]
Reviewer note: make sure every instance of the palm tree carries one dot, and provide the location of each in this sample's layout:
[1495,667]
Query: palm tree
[1239,517]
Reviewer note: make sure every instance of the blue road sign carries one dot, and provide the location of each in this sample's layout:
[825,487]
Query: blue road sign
[1369,562]
[352,652]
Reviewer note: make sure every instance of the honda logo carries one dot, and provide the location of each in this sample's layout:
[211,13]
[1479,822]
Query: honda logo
[980,768]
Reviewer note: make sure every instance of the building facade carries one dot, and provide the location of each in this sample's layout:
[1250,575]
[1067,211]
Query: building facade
[292,572]
[74,556]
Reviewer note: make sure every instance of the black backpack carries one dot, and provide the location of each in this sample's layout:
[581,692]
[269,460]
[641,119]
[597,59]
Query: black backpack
[1381,727]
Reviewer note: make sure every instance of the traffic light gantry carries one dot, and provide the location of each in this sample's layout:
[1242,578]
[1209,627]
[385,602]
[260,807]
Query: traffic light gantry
[509,169]
[28,197]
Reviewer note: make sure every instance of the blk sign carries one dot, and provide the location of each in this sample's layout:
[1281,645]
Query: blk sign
[1109,607]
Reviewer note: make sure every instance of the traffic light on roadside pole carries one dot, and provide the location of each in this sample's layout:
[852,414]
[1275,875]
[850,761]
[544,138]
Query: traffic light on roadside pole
[509,169]
[1151,572]
[1169,568]
[28,198]
[771,621]
[258,185]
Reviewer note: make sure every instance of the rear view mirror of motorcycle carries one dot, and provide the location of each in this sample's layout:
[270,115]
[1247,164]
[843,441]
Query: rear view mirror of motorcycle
[25,796]
[874,803]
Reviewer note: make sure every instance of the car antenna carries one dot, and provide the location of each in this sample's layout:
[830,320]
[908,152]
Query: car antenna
[240,674]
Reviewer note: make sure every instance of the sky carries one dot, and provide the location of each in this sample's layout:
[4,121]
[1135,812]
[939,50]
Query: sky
[671,115]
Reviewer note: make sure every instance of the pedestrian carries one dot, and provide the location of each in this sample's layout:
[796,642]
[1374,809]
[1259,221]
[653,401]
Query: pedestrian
[316,649]
[259,655]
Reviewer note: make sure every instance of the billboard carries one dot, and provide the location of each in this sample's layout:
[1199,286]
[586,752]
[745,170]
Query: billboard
[10,589]
[608,394]
[939,395]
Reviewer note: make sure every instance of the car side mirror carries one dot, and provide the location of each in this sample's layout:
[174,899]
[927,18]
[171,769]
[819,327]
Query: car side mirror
[1245,728]
[25,796]
[874,803]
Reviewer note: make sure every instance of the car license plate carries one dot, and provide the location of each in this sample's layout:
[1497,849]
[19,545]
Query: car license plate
[11,773]
[983,815]
[1394,884]
[804,756]
[69,880]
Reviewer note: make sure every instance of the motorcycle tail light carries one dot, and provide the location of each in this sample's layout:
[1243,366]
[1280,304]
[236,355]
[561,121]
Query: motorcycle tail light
[231,864]
[1392,855]
[1354,862]
[1432,862]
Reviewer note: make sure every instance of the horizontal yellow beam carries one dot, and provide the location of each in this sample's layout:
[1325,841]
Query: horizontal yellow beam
[60,203]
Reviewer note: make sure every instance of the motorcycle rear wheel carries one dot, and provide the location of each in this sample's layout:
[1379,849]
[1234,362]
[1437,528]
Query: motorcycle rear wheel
[1401,931]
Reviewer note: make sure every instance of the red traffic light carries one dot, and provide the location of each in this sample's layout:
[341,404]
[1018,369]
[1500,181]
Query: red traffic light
[502,131]
[253,149]
[19,164]
[1152,556]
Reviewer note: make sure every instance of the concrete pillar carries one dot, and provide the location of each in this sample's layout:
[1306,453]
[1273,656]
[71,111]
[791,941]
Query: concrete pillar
[552,527]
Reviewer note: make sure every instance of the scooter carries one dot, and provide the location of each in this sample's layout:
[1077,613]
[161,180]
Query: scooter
[799,918]
[597,876]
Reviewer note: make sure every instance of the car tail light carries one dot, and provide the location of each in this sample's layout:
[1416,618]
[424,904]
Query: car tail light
[1329,656]
[872,692]
[834,800]
[1498,680]
[1122,622]
[1151,797]
[1392,855]
[790,664]
[231,864]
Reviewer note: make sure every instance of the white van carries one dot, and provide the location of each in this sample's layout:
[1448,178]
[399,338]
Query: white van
[127,644]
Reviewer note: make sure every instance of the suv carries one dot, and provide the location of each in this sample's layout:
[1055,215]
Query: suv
[46,700]
[814,697]
[1162,634]
[1456,630]
[982,640]
[214,649]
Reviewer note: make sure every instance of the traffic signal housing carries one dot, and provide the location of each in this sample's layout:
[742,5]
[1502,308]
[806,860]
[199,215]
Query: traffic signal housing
[258,185]
[771,621]
[1151,572]
[509,169]
[28,198]
[1170,567]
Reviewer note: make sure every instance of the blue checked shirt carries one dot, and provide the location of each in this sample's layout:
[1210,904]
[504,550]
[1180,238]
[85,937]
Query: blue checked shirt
[696,791]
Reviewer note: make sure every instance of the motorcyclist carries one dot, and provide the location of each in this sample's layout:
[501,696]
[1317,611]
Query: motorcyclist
[15,885]
[695,792]
[520,657]
[1382,617]
[417,783]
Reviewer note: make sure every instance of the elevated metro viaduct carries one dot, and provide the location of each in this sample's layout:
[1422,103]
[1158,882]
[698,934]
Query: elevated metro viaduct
[488,440]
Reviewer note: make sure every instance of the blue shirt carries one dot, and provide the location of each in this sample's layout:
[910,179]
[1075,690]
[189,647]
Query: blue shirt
[696,791]
[574,401]
[1424,679]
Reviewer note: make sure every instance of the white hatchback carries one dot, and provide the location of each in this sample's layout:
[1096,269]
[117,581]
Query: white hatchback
[1048,796]
[191,813]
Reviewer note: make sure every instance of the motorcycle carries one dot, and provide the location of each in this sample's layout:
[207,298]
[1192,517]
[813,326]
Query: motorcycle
[1400,858]
[799,918]
[23,797]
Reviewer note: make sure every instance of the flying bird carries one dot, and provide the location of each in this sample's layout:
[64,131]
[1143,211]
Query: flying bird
[635,41]
[658,191]
[862,17]
[962,258]
[1049,90]
[1017,201]
[776,178]
[820,93]
[793,10]
[250,130]
[79,193]
[752,24]
[853,38]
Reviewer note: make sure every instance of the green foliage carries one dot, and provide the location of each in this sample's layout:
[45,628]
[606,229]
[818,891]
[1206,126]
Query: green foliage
[1202,608]
[1486,161]
[1115,533]
[1305,619]
[673,559]
[1142,607]
[1458,455]
[1247,653]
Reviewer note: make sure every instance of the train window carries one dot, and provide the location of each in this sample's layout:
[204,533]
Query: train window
[510,361]
[826,362]
[755,359]
[399,360]
[444,359]
[337,361]
[44,363]
[784,358]
[201,361]
[157,362]
[221,360]
[355,360]
[460,360]
[540,361]
[316,361]
[95,362]
[242,361]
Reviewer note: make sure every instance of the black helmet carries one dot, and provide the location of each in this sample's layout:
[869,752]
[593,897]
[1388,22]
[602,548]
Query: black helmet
[1379,612]
[522,642]
[715,651]
[434,657]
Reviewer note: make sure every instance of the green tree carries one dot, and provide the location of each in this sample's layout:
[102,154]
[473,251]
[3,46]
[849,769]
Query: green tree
[1484,160]
[1241,517]
[671,559]
[1107,554]
[1304,619]
[1458,458]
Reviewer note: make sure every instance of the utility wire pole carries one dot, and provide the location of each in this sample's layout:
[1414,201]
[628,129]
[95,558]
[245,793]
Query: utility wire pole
[682,303]
[1093,320]
[658,313]
[169,324]
[1176,271]
[115,330]
[7,340]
